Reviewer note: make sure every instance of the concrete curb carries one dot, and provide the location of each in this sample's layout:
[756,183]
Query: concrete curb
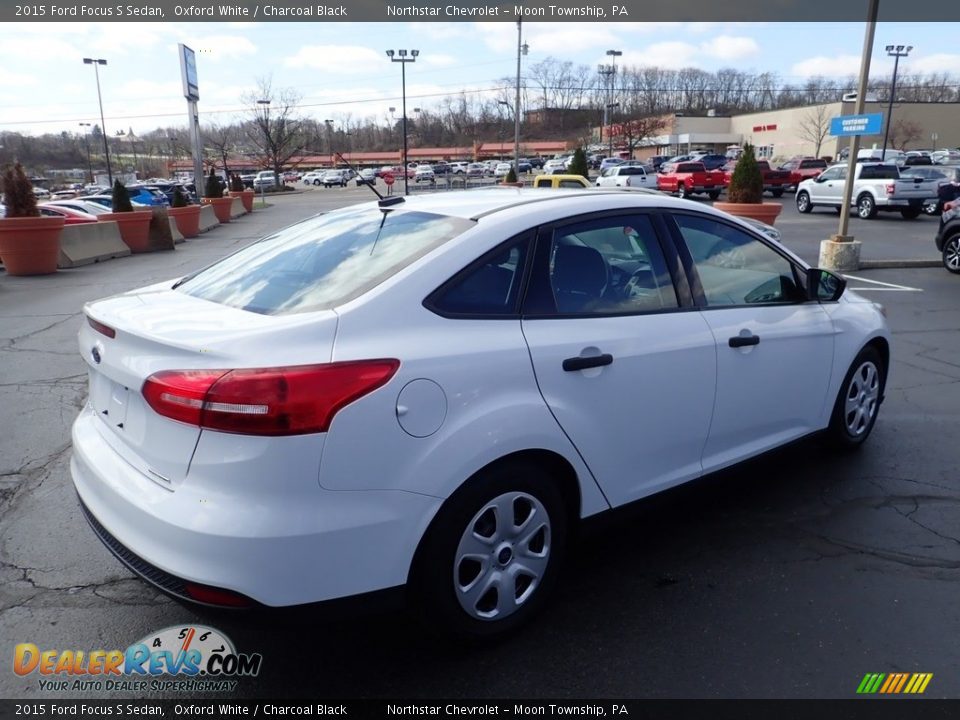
[885,264]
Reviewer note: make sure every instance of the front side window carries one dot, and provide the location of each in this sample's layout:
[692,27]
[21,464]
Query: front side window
[736,268]
[324,261]
[609,266]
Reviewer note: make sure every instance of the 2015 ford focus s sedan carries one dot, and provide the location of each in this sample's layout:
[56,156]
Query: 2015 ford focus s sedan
[431,393]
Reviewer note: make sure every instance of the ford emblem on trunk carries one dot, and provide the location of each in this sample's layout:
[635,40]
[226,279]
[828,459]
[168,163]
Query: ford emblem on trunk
[96,354]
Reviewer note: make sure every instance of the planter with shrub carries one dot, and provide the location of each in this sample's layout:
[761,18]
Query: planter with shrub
[29,243]
[185,215]
[745,194]
[134,225]
[237,189]
[213,195]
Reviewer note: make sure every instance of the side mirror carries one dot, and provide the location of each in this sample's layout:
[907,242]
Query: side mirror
[824,286]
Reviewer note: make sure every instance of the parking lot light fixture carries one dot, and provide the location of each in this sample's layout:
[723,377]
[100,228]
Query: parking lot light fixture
[401,57]
[96,62]
[896,52]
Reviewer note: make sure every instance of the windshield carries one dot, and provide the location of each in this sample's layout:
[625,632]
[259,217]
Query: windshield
[323,262]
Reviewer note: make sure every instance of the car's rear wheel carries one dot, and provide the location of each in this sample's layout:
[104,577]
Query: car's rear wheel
[714,195]
[855,410]
[951,253]
[911,213]
[491,556]
[778,193]
[866,207]
[803,203]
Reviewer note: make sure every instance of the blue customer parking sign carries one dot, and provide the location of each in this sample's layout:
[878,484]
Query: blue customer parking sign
[856,124]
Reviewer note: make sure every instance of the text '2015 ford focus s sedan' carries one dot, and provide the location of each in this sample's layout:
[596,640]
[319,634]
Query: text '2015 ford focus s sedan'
[432,392]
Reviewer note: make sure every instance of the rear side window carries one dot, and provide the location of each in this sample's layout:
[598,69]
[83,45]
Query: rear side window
[879,172]
[570,184]
[489,287]
[324,261]
[544,183]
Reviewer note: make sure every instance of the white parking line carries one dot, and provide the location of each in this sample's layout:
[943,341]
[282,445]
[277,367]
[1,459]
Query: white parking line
[889,287]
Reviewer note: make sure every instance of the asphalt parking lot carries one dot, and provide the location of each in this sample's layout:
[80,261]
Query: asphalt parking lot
[790,577]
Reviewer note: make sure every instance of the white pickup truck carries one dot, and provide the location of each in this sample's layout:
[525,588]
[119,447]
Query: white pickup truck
[626,176]
[876,187]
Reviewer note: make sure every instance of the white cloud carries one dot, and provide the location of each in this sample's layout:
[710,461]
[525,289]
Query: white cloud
[727,47]
[338,59]
[841,66]
[677,54]
[938,63]
[439,60]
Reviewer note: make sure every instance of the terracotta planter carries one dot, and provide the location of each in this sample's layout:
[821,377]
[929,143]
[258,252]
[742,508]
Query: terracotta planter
[134,228]
[221,207]
[30,245]
[764,212]
[246,197]
[187,219]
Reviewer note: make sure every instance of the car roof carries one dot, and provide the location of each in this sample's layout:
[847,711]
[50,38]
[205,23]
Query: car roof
[475,204]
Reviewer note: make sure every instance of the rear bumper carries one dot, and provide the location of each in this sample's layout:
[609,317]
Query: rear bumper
[300,548]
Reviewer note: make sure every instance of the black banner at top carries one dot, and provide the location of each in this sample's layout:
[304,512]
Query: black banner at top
[588,11]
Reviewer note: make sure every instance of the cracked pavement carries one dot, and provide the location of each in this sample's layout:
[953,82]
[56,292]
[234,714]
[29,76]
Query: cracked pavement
[790,576]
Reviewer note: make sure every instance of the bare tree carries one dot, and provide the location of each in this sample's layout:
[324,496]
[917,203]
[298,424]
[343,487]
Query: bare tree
[635,133]
[903,132]
[275,128]
[222,140]
[815,127]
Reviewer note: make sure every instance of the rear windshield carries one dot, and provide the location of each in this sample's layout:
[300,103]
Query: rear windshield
[813,164]
[323,262]
[689,167]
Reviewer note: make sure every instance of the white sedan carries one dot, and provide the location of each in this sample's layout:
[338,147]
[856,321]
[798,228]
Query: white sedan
[432,392]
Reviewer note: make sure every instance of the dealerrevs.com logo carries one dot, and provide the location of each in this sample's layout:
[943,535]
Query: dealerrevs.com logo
[186,658]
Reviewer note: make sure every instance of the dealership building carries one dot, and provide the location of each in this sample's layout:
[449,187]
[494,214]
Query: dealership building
[782,134]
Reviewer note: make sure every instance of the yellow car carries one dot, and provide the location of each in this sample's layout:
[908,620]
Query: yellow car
[561,181]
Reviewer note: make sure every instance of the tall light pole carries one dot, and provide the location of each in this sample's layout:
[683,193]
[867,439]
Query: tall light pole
[268,140]
[103,125]
[613,54]
[896,52]
[521,50]
[329,123]
[86,138]
[403,59]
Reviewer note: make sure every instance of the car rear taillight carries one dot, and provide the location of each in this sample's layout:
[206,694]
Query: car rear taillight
[891,189]
[216,596]
[265,401]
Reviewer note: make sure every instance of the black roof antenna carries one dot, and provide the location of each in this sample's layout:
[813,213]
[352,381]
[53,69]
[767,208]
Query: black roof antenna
[384,201]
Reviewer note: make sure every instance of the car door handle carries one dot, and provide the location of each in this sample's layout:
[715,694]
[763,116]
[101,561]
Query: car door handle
[744,340]
[582,363]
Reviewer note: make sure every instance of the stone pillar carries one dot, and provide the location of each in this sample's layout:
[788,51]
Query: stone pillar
[840,253]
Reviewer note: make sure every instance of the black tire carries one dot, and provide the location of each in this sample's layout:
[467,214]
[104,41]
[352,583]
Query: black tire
[436,573]
[317,182]
[714,195]
[682,190]
[778,193]
[847,429]
[951,254]
[804,205]
[866,207]
[911,213]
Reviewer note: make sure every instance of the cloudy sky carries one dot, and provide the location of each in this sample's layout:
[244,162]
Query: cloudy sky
[341,68]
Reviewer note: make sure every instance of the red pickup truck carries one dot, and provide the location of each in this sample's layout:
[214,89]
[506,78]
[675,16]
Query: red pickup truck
[687,178]
[774,181]
[802,168]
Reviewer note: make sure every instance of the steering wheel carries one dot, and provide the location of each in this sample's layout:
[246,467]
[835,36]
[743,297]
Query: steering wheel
[639,285]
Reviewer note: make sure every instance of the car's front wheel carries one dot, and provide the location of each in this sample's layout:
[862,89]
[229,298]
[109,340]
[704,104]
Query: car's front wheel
[803,202]
[491,555]
[951,253]
[858,402]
